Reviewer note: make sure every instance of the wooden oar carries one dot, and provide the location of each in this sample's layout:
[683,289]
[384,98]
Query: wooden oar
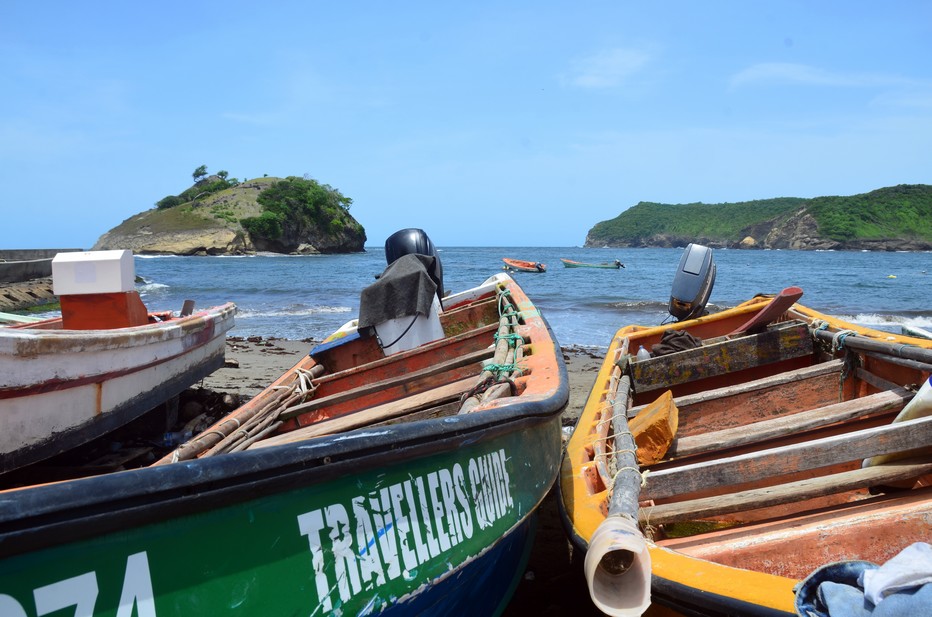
[776,307]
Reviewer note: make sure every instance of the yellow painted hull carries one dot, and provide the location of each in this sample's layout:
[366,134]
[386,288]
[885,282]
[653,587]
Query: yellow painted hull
[679,580]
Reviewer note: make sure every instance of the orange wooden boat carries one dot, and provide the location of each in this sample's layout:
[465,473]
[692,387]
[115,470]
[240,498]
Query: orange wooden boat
[763,454]
[521,265]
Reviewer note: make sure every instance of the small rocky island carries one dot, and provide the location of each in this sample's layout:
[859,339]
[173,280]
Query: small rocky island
[219,215]
[897,218]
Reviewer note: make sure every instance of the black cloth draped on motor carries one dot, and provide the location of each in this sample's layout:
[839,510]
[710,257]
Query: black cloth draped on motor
[404,288]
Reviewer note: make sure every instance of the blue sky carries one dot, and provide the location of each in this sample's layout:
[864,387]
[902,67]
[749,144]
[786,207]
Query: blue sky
[485,123]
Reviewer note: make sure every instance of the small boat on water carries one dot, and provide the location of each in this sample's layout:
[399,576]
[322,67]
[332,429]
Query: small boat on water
[520,265]
[103,363]
[613,265]
[395,469]
[743,452]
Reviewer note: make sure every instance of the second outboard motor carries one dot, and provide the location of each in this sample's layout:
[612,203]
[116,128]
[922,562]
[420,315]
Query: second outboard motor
[692,284]
[416,241]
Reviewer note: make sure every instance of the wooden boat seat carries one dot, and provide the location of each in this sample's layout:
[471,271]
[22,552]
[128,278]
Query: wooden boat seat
[790,492]
[373,415]
[340,378]
[394,387]
[780,342]
[886,525]
[780,426]
[758,466]
[761,467]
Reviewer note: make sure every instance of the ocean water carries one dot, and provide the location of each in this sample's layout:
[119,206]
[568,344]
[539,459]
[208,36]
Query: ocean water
[301,297]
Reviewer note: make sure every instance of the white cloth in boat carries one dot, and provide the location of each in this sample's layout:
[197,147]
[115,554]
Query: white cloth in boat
[912,567]
[902,587]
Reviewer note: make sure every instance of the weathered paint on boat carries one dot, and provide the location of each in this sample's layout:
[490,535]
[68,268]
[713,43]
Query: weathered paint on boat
[752,562]
[417,517]
[299,534]
[569,263]
[60,388]
[522,265]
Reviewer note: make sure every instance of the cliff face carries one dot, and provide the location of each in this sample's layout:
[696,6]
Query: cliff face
[210,226]
[209,240]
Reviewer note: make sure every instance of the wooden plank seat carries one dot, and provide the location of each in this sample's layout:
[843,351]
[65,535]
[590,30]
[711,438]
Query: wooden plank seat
[880,402]
[367,370]
[774,462]
[886,523]
[784,341]
[365,417]
[765,383]
[790,492]
[395,387]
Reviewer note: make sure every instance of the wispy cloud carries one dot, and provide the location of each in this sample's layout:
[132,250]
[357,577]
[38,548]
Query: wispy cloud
[784,73]
[607,69]
[917,99]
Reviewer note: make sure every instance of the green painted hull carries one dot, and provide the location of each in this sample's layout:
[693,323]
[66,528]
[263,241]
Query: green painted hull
[299,533]
[579,264]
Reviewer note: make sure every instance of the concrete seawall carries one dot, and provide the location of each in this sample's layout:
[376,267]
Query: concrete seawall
[18,265]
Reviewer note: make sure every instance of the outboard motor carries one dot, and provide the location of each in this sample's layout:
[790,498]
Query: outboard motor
[402,308]
[692,284]
[415,241]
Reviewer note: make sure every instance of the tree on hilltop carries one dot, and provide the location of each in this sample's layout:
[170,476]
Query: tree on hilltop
[199,173]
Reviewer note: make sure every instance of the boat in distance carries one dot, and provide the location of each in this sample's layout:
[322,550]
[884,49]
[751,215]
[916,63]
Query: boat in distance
[521,265]
[105,362]
[611,265]
[396,469]
[770,439]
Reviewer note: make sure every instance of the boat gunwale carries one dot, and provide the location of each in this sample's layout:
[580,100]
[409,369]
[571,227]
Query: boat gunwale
[160,331]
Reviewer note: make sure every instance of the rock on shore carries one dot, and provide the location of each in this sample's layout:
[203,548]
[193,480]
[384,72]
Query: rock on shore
[26,294]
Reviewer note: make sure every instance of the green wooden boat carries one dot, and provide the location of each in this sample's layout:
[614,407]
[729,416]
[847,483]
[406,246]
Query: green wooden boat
[614,265]
[360,482]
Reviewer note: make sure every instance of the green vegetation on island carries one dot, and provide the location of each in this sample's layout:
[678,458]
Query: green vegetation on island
[222,215]
[203,186]
[294,205]
[898,217]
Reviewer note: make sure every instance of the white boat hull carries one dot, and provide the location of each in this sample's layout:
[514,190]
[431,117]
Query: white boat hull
[60,388]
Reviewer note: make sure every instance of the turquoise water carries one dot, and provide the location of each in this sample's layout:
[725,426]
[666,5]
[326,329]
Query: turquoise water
[301,297]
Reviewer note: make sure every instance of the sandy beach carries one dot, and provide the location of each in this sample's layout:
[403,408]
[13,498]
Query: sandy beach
[552,583]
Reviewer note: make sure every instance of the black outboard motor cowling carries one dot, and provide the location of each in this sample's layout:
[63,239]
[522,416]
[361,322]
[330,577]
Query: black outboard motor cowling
[415,241]
[692,284]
